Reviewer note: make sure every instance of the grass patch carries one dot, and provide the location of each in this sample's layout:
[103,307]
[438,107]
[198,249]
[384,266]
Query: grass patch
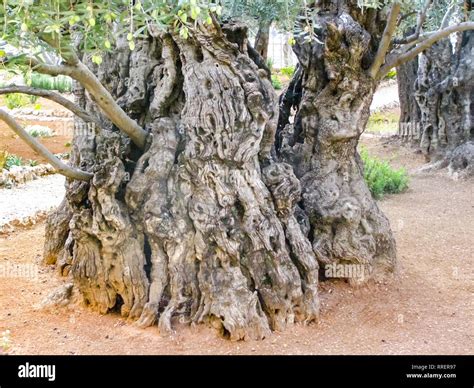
[383,122]
[381,177]
[288,71]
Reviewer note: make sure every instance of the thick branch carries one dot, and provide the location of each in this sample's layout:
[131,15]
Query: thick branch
[66,52]
[423,45]
[108,105]
[39,66]
[77,110]
[386,39]
[61,167]
[101,95]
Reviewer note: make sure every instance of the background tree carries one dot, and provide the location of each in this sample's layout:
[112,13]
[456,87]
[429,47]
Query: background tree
[182,204]
[262,14]
[344,49]
[441,85]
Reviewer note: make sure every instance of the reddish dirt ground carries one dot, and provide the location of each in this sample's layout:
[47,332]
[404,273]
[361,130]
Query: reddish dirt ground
[426,309]
[11,143]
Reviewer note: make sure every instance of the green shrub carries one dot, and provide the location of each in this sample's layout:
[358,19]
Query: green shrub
[276,82]
[60,83]
[381,177]
[39,131]
[288,71]
[12,160]
[16,100]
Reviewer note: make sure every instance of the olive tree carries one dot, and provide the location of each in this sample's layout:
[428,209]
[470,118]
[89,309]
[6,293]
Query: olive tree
[194,197]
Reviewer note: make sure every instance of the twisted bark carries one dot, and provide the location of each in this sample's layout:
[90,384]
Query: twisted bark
[410,114]
[445,96]
[332,94]
[201,226]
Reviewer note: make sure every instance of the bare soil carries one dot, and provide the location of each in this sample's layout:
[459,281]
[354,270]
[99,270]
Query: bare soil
[58,144]
[426,309]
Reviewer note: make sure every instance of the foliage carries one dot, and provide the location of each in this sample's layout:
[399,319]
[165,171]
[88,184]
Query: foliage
[392,74]
[40,132]
[276,82]
[282,12]
[60,83]
[8,160]
[288,71]
[16,100]
[50,25]
[381,177]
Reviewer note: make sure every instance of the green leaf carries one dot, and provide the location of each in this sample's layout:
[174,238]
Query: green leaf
[184,33]
[131,44]
[195,11]
[107,44]
[97,59]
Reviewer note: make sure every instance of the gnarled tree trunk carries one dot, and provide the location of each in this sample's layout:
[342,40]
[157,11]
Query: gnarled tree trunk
[202,226]
[410,114]
[332,93]
[444,92]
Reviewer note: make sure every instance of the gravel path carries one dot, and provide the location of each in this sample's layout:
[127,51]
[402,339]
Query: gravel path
[385,97]
[31,198]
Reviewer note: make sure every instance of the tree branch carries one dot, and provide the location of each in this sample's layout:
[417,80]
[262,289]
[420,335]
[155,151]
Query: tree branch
[66,52]
[447,16]
[405,16]
[386,39]
[109,106]
[56,97]
[423,45]
[419,24]
[101,95]
[61,167]
[39,66]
